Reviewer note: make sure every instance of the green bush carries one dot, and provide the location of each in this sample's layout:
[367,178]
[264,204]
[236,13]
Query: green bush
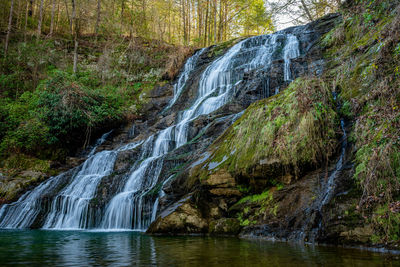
[61,112]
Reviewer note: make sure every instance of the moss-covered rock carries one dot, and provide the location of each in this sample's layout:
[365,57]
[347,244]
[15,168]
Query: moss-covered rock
[364,65]
[277,138]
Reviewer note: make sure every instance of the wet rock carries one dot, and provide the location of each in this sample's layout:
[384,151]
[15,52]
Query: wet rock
[182,217]
[358,234]
[32,174]
[75,161]
[125,159]
[221,183]
[225,226]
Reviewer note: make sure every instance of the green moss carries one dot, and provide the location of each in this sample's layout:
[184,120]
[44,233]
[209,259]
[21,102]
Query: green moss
[219,49]
[296,128]
[19,162]
[364,66]
[243,188]
[155,190]
[256,198]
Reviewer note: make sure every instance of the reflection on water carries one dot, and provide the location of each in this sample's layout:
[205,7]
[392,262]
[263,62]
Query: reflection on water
[67,248]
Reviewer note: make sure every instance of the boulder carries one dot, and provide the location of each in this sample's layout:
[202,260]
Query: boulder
[182,217]
[225,226]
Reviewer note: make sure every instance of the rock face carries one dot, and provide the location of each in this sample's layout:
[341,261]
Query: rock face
[182,217]
[217,190]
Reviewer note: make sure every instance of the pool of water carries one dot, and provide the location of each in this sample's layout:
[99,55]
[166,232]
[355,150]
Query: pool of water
[75,248]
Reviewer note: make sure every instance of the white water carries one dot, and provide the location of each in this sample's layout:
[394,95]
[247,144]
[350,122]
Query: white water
[135,206]
[130,208]
[291,51]
[99,141]
[184,76]
[70,208]
[21,214]
[331,183]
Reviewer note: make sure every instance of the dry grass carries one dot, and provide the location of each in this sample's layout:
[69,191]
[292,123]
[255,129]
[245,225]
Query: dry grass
[176,61]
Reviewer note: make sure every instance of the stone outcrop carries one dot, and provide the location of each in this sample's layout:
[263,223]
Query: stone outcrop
[287,213]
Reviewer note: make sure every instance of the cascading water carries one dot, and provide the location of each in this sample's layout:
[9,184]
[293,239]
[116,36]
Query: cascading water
[130,208]
[328,189]
[134,207]
[184,76]
[99,141]
[70,208]
[291,51]
[22,213]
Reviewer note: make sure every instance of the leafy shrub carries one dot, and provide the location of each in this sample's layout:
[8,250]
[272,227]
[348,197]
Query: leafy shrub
[61,112]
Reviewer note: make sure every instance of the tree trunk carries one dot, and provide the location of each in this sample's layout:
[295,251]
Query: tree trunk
[53,10]
[74,19]
[69,19]
[9,28]
[31,8]
[169,23]
[39,30]
[26,19]
[98,17]
[199,19]
[122,13]
[75,54]
[225,22]
[215,21]
[18,15]
[189,26]
[57,16]
[206,24]
[184,22]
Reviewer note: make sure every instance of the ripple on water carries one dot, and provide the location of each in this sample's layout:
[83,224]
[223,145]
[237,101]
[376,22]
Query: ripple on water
[129,248]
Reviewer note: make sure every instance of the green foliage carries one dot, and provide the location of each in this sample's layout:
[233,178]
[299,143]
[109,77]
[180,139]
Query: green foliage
[58,111]
[397,50]
[254,19]
[266,195]
[388,223]
[26,64]
[18,162]
[219,49]
[365,66]
[243,189]
[48,112]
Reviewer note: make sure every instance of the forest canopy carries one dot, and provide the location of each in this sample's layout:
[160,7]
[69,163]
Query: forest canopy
[186,22]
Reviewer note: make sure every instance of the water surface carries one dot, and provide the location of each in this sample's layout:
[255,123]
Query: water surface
[79,248]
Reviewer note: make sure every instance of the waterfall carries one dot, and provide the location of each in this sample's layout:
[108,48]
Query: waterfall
[184,76]
[22,213]
[70,209]
[291,51]
[99,142]
[135,205]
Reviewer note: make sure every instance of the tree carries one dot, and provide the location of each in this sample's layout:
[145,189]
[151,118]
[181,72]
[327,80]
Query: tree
[302,11]
[187,22]
[96,29]
[75,33]
[39,30]
[53,9]
[9,28]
